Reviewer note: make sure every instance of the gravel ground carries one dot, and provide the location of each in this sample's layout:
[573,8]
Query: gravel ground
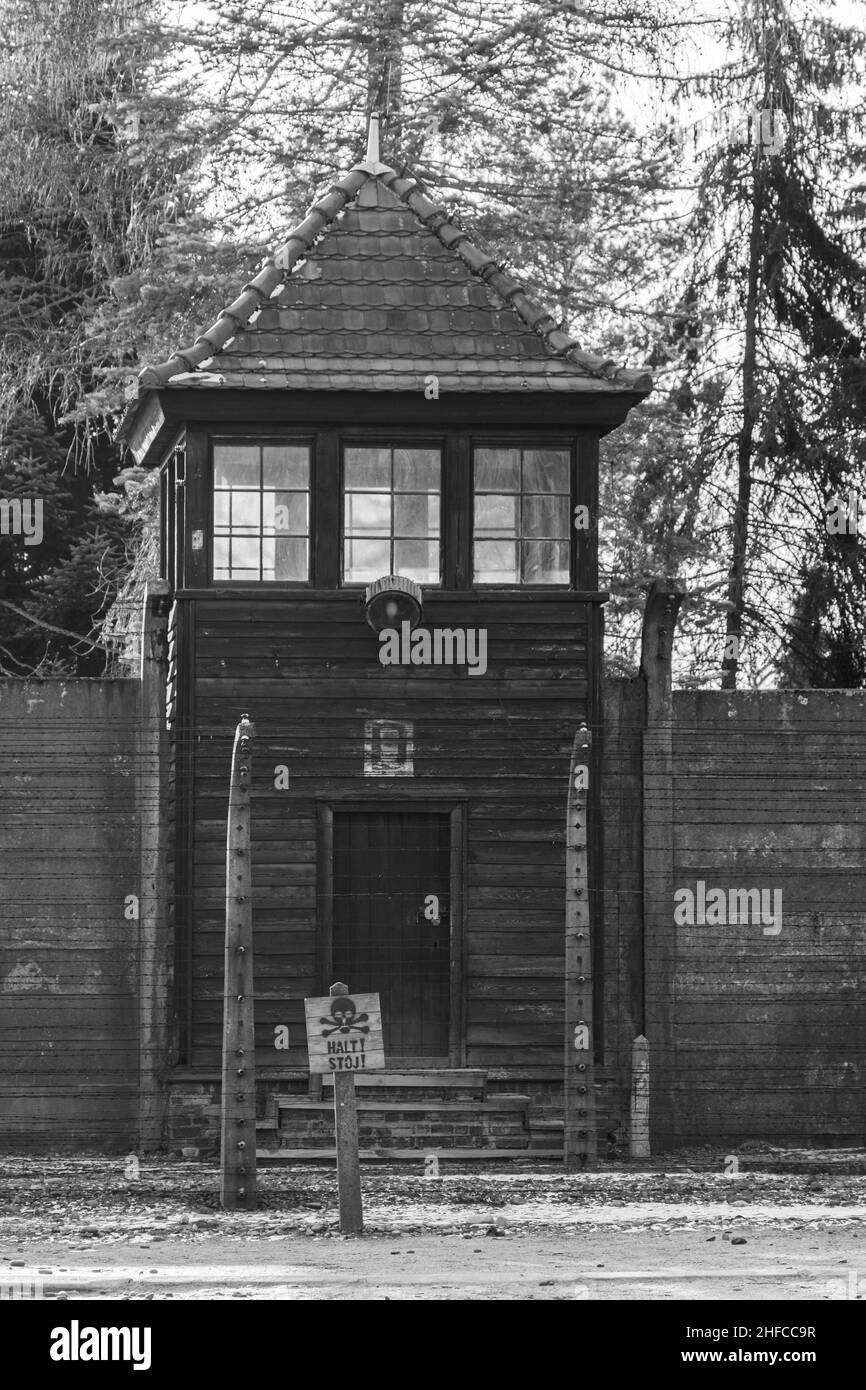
[98,1228]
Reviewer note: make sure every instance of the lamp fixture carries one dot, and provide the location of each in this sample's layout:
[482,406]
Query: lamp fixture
[393,600]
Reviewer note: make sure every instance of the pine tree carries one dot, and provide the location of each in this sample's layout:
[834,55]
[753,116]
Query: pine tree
[92,201]
[776,255]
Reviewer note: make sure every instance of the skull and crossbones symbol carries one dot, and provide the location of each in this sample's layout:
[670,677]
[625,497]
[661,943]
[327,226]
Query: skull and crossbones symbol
[345,1017]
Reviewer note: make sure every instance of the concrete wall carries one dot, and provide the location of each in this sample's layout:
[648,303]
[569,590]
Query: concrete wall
[765,1032]
[755,1033]
[68,859]
[769,1025]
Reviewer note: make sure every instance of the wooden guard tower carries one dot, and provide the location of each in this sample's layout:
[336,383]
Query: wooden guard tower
[379,508]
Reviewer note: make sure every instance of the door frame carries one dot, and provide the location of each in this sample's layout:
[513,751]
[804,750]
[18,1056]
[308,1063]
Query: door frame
[455,810]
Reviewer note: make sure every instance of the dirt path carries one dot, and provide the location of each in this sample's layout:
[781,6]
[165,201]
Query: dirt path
[667,1264]
[84,1230]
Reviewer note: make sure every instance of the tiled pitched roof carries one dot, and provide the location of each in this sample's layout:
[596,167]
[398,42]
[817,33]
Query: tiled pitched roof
[375,290]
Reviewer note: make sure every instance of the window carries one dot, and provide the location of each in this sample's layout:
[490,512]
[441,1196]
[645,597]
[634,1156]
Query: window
[391,516]
[261,512]
[522,510]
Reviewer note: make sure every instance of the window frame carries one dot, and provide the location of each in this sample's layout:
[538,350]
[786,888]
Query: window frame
[261,439]
[393,441]
[565,444]
[326,441]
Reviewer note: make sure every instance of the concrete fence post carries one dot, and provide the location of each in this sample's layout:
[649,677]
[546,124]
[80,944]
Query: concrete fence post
[579,1137]
[238,1095]
[659,624]
[154,935]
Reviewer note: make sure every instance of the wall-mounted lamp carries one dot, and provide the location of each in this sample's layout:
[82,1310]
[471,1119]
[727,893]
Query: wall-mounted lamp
[393,600]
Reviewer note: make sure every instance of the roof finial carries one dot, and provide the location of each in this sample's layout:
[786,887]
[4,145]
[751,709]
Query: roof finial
[373,138]
[372,163]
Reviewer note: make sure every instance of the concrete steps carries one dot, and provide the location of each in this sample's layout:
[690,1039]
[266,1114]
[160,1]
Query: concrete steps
[446,1113]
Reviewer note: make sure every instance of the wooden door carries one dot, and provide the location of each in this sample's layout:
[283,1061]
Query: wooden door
[392,923]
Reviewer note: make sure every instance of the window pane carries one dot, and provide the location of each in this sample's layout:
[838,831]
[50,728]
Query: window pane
[246,553]
[391,495]
[497,470]
[546,470]
[221,558]
[524,494]
[496,562]
[286,465]
[546,517]
[246,511]
[545,562]
[221,502]
[496,515]
[236,465]
[416,470]
[285,512]
[260,500]
[368,468]
[368,513]
[416,515]
[367,560]
[290,559]
[418,560]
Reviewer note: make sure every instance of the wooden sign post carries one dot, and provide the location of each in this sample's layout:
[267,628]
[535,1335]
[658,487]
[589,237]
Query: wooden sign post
[238,1101]
[344,1037]
[579,1100]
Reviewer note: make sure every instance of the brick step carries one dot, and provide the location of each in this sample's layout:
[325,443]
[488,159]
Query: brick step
[418,1105]
[416,1125]
[468,1079]
[546,1135]
[409,1134]
[432,1110]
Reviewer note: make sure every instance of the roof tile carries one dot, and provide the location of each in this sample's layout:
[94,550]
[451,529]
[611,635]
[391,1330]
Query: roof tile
[391,291]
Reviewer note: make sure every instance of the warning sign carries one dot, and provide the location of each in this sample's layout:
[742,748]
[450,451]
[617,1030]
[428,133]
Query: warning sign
[344,1033]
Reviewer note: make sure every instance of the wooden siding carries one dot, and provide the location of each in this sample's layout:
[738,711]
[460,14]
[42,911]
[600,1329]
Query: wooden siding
[307,672]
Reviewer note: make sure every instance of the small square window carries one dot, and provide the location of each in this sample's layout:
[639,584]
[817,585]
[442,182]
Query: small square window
[497,470]
[545,562]
[391,513]
[367,560]
[286,513]
[416,470]
[261,512]
[546,470]
[286,466]
[545,517]
[368,513]
[522,512]
[496,515]
[419,560]
[368,470]
[416,514]
[236,465]
[496,562]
